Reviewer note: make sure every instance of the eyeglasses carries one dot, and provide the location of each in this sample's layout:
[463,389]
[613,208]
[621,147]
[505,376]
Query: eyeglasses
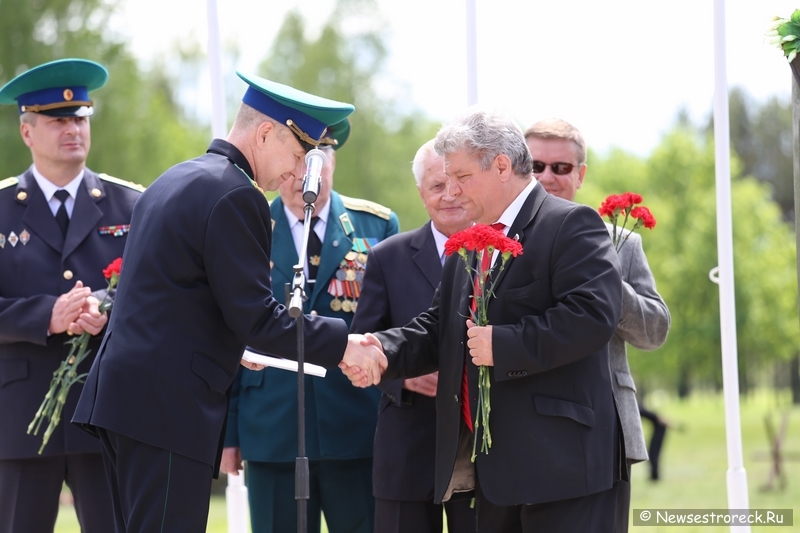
[559,169]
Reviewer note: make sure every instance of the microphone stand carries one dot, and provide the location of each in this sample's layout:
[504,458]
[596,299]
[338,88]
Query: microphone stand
[302,486]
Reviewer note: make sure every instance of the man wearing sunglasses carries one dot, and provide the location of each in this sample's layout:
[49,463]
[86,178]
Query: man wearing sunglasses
[559,155]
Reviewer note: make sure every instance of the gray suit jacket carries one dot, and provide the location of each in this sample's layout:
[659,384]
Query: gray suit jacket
[644,324]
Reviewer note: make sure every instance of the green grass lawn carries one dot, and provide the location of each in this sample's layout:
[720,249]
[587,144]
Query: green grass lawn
[693,465]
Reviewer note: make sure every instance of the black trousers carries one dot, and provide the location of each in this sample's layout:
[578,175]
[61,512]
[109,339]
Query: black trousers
[394,516]
[154,489]
[30,490]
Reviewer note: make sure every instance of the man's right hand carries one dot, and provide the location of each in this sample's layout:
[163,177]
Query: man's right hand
[363,362]
[425,385]
[68,308]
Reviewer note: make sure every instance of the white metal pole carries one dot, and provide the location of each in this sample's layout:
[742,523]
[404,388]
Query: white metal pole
[736,475]
[472,53]
[219,126]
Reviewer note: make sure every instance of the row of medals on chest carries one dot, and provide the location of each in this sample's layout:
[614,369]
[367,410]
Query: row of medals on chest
[346,283]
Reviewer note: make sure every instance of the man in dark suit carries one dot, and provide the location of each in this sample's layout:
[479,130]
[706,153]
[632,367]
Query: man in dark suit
[559,165]
[403,274]
[340,419]
[55,241]
[555,450]
[194,291]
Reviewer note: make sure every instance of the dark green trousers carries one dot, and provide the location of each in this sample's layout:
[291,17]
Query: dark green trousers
[340,488]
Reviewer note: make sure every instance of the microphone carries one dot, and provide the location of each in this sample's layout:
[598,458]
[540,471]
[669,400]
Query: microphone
[315,160]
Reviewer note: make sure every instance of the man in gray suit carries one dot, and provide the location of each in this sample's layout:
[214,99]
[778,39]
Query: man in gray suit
[559,164]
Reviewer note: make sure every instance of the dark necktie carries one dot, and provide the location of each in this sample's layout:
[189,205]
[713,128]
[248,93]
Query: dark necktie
[313,251]
[61,215]
[486,262]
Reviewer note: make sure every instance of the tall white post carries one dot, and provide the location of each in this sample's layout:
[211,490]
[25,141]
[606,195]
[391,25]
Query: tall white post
[472,53]
[736,476]
[219,126]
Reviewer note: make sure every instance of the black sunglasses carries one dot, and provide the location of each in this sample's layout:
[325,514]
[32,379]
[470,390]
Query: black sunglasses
[559,169]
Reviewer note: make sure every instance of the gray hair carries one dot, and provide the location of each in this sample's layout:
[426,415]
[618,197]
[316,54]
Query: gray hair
[486,133]
[28,118]
[556,128]
[418,165]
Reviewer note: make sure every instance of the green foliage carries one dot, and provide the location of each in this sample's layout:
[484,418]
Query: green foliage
[139,130]
[785,34]
[677,183]
[345,64]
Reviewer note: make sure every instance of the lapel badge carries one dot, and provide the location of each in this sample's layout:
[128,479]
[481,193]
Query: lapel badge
[314,260]
[347,226]
[21,195]
[2,241]
[24,237]
[12,239]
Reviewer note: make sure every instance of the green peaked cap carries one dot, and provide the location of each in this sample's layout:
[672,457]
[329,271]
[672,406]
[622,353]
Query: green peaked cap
[57,88]
[307,115]
[336,135]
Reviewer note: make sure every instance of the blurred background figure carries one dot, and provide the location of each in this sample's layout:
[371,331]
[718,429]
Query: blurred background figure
[403,274]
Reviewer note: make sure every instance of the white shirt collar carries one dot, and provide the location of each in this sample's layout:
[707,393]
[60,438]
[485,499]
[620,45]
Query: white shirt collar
[49,189]
[440,239]
[510,214]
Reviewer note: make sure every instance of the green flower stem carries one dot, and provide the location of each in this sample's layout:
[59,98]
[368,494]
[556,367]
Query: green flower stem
[64,378]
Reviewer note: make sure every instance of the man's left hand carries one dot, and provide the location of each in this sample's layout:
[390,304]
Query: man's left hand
[480,344]
[90,318]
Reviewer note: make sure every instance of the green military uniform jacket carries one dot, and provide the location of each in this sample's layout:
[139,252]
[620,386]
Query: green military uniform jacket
[340,418]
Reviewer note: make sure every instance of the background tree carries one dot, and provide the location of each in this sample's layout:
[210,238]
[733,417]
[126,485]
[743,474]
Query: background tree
[346,65]
[677,182]
[139,127]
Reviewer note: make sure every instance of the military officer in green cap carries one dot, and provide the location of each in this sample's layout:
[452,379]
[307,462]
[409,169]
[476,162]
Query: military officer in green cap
[340,419]
[195,290]
[55,242]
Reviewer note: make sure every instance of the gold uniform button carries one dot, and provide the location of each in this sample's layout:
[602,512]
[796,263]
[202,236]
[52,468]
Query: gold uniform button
[68,274]
[21,195]
[96,193]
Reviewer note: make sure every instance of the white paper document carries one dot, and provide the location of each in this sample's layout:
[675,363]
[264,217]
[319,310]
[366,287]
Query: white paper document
[285,364]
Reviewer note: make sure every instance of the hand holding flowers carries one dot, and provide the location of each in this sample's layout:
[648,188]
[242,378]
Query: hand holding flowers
[66,375]
[484,241]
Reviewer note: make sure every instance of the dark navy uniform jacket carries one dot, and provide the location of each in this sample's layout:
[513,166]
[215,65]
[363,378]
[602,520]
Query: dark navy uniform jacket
[37,264]
[195,289]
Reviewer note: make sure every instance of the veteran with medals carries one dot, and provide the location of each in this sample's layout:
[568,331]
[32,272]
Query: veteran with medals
[56,237]
[340,419]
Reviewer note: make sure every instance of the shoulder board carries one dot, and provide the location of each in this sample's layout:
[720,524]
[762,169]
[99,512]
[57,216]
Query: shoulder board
[8,182]
[357,204]
[128,184]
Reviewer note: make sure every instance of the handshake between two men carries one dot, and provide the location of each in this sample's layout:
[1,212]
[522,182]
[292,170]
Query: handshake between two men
[364,361]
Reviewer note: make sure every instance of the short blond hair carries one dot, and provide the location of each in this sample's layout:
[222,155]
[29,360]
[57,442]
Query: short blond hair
[555,128]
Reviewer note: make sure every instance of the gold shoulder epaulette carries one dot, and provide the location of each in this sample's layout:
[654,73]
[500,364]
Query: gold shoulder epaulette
[129,184]
[357,204]
[8,182]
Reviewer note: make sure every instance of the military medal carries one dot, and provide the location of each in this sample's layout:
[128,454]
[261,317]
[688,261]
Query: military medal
[2,241]
[351,255]
[24,237]
[12,239]
[335,289]
[362,258]
[350,274]
[117,231]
